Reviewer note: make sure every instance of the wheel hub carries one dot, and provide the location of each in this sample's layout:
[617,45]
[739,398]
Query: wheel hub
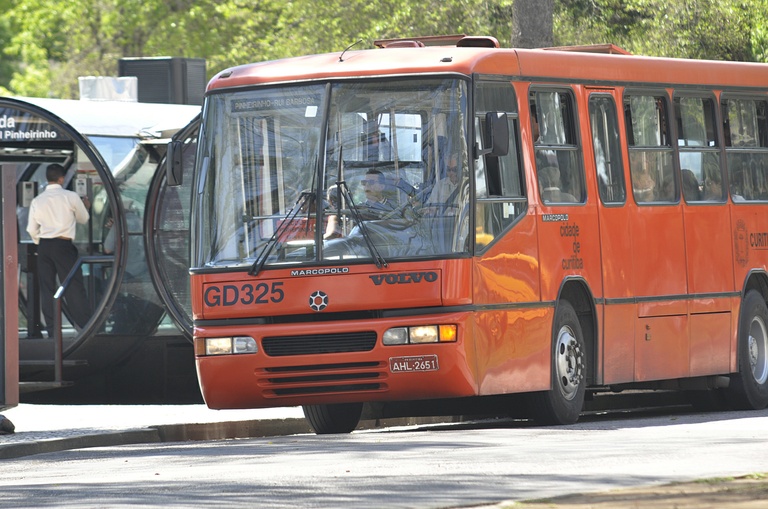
[757,345]
[569,359]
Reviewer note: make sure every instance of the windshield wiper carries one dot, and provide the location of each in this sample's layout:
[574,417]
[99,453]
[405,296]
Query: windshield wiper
[377,258]
[261,259]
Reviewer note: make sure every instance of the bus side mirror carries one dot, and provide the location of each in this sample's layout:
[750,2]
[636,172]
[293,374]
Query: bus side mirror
[174,168]
[496,139]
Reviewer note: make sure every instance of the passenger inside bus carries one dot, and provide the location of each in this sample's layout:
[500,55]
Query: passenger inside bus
[333,227]
[444,192]
[667,190]
[643,186]
[713,188]
[691,190]
[643,181]
[377,204]
[549,185]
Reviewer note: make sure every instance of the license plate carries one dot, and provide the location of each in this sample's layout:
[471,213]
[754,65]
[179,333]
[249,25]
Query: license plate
[415,363]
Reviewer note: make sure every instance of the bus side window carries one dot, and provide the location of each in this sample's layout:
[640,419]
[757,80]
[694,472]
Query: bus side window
[746,128]
[499,180]
[650,149]
[700,169]
[553,121]
[607,148]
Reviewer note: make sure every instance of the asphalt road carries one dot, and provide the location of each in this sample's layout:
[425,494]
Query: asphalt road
[427,467]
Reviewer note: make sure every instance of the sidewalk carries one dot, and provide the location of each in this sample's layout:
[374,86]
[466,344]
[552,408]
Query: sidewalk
[53,428]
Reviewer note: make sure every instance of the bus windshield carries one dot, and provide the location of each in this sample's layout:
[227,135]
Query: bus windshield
[324,172]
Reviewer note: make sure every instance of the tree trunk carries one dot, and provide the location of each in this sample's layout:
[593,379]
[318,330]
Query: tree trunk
[532,23]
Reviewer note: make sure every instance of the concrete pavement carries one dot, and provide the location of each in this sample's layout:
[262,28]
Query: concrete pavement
[53,428]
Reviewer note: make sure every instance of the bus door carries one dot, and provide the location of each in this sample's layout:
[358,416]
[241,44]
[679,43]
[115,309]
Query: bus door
[567,225]
[618,350]
[707,233]
[167,240]
[658,240]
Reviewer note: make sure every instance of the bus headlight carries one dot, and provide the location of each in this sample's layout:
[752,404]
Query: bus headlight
[423,334]
[396,336]
[420,334]
[243,344]
[230,345]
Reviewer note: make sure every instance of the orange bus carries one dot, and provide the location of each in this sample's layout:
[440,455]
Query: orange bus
[443,225]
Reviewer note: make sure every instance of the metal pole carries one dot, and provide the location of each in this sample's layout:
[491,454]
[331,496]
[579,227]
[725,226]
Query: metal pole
[58,347]
[58,357]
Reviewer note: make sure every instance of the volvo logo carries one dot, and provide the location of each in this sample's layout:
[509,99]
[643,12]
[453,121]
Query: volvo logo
[404,278]
[318,301]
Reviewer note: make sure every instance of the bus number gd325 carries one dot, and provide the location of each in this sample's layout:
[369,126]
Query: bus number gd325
[245,294]
[414,363]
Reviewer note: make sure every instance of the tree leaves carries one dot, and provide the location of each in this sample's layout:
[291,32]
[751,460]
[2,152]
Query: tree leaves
[47,44]
[706,29]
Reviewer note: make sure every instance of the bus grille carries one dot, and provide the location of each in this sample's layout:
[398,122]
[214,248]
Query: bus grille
[279,346]
[322,379]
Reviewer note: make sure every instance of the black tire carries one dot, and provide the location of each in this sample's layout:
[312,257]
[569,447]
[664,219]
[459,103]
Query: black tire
[562,404]
[748,389]
[339,418]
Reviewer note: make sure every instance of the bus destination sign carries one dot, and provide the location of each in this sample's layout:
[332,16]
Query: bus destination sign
[270,103]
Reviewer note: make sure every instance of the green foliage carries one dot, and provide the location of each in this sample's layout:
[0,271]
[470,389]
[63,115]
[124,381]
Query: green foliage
[704,29]
[88,37]
[299,29]
[47,44]
[6,65]
[759,35]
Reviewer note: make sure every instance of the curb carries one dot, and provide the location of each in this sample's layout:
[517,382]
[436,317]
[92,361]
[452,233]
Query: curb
[231,429]
[138,436]
[191,432]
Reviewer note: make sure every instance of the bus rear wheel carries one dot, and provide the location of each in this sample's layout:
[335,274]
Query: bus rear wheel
[749,386]
[563,403]
[338,418]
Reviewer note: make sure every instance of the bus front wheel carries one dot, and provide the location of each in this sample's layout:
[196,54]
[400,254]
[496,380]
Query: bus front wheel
[749,386]
[338,418]
[563,403]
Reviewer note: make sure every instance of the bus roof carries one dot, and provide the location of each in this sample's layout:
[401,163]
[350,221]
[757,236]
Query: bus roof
[570,64]
[118,118]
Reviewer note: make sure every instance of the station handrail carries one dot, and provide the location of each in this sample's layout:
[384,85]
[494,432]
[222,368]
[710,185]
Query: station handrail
[58,356]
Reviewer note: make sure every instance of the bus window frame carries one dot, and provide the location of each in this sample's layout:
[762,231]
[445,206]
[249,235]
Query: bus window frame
[577,147]
[620,141]
[662,93]
[514,124]
[724,96]
[719,147]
